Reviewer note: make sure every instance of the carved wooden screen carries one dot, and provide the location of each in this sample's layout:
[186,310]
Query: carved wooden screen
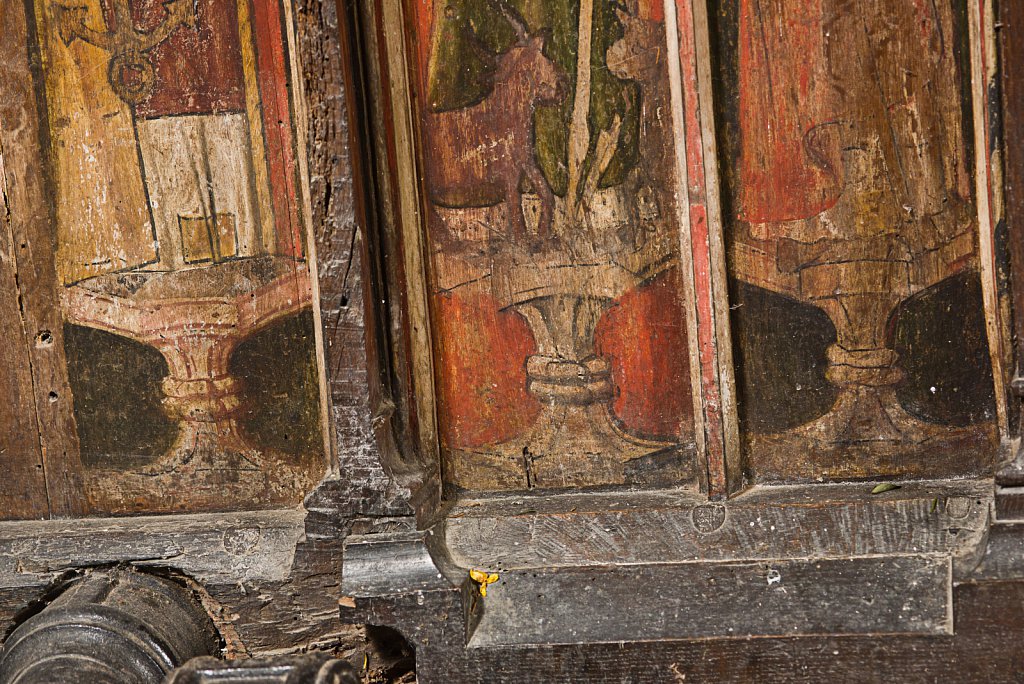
[832,183]
[589,243]
[565,258]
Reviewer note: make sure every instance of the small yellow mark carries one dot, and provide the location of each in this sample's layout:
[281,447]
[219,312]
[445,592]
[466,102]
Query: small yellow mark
[885,487]
[483,579]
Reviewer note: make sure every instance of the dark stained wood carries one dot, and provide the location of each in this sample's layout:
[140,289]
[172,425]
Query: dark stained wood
[983,27]
[1011,56]
[267,588]
[978,653]
[437,617]
[1004,555]
[838,596]
[358,374]
[316,667]
[203,546]
[27,228]
[110,622]
[764,523]
[1010,503]
[293,614]
[376,292]
[269,578]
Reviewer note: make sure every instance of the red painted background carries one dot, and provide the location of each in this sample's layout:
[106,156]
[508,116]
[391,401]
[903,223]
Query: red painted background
[783,94]
[482,385]
[198,70]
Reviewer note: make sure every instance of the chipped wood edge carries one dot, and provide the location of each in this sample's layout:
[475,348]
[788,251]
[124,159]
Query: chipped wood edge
[301,126]
[209,547]
[362,100]
[988,186]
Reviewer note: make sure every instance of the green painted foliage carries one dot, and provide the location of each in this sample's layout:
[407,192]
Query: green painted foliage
[470,36]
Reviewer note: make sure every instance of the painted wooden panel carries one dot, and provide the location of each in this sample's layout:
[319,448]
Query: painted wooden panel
[558,252]
[179,221]
[858,261]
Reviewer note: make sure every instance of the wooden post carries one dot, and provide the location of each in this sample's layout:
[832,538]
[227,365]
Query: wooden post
[30,230]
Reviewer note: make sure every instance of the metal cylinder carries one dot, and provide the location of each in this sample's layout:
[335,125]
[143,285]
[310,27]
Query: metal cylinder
[313,668]
[116,627]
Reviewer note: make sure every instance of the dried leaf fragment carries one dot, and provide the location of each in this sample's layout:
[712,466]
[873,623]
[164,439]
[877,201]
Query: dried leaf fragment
[884,487]
[483,578]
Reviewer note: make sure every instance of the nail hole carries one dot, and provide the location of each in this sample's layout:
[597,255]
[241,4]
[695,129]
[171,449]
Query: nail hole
[53,397]
[44,339]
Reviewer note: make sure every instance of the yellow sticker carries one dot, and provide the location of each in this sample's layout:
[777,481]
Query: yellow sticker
[483,578]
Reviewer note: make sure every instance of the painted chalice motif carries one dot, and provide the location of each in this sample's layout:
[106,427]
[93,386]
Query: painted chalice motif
[179,223]
[196,334]
[895,216]
[561,260]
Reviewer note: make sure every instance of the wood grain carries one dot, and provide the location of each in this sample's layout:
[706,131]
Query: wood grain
[764,523]
[268,589]
[847,156]
[23,494]
[546,206]
[436,620]
[977,653]
[988,177]
[158,229]
[833,597]
[29,220]
[1011,74]
[269,578]
[260,546]
[700,176]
